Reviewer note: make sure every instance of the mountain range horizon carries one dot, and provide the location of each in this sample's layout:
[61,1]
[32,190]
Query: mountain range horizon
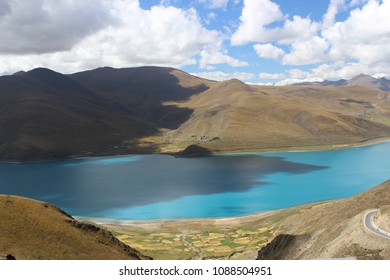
[46,114]
[384,78]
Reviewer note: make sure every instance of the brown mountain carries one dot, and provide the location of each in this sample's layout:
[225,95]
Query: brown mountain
[232,116]
[45,114]
[35,230]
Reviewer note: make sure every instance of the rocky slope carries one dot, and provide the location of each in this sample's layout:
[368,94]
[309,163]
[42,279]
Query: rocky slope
[332,229]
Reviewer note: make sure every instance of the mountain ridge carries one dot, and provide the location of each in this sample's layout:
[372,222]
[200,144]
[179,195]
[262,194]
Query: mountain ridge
[106,111]
[358,80]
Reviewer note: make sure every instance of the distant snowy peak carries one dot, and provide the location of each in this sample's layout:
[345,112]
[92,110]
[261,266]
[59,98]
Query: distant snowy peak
[381,75]
[286,82]
[379,81]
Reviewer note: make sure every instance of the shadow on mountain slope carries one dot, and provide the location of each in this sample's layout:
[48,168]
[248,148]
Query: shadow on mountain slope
[44,114]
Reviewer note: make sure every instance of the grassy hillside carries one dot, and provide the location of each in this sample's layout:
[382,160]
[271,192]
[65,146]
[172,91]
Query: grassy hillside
[335,228]
[45,115]
[232,116]
[35,230]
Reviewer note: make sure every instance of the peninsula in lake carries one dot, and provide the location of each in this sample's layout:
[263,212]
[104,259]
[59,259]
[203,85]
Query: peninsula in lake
[107,111]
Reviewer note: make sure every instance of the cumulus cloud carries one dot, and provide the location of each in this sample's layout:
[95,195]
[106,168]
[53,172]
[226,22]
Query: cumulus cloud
[271,76]
[255,16]
[334,70]
[296,30]
[354,3]
[297,73]
[333,9]
[210,58]
[308,51]
[363,36]
[358,43]
[215,4]
[268,51]
[222,76]
[210,17]
[40,26]
[69,35]
[164,35]
[260,84]
[129,36]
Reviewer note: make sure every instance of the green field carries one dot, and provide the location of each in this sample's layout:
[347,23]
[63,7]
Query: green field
[196,244]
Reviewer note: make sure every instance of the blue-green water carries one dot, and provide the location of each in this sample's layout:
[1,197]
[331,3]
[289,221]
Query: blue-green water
[163,187]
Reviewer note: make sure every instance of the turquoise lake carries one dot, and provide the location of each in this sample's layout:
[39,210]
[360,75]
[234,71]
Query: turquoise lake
[163,187]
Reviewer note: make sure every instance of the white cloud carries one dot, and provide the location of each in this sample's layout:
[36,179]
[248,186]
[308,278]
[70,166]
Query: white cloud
[39,26]
[163,35]
[296,30]
[268,51]
[69,35]
[308,51]
[209,58]
[215,4]
[342,69]
[364,36]
[354,3]
[337,70]
[257,15]
[333,9]
[275,76]
[222,76]
[254,17]
[261,84]
[297,73]
[359,43]
[210,17]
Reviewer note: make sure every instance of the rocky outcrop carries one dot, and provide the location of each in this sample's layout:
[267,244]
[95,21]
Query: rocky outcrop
[106,235]
[282,246]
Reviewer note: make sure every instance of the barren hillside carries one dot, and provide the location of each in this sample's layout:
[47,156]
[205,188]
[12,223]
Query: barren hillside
[36,230]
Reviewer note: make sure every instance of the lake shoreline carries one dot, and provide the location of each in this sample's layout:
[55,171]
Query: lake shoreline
[157,224]
[310,148]
[230,220]
[314,148]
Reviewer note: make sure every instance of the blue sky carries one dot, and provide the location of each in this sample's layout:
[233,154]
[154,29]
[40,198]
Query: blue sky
[257,41]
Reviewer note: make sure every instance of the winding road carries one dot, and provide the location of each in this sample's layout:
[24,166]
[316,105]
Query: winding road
[370,225]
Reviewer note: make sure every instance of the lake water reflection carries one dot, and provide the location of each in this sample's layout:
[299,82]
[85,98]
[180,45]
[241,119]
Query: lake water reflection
[161,187]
